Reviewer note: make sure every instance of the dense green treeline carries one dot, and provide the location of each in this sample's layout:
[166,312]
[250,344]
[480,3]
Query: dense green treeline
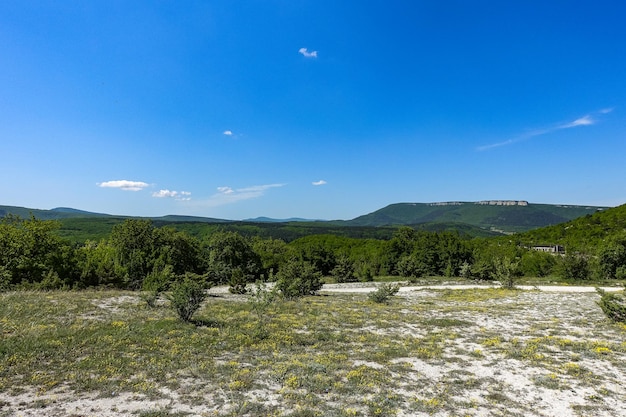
[137,254]
[584,233]
[80,229]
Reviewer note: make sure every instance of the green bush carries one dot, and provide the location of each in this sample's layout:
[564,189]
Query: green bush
[465,271]
[51,281]
[156,282]
[613,305]
[5,279]
[575,267]
[298,278]
[506,271]
[187,296]
[410,266]
[384,293]
[364,272]
[344,270]
[238,282]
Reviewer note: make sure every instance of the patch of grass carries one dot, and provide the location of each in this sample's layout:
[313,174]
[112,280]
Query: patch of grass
[160,413]
[338,355]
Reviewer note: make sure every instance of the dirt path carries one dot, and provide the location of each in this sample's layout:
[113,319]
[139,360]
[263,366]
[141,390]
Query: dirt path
[369,287]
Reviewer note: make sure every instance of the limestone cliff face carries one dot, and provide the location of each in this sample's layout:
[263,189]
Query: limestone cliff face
[448,203]
[502,203]
[483,203]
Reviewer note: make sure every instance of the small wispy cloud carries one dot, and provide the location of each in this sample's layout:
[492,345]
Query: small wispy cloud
[228,195]
[178,195]
[225,190]
[307,54]
[228,132]
[586,120]
[125,185]
[320,182]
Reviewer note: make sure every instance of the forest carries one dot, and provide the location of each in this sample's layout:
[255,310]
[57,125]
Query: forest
[138,253]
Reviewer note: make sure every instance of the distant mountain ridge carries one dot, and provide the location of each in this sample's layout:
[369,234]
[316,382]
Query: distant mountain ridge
[499,216]
[57,213]
[271,220]
[507,216]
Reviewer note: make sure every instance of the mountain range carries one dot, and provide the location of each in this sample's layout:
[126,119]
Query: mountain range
[494,216]
[503,216]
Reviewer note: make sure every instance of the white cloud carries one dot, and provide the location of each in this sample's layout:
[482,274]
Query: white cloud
[320,182]
[178,195]
[228,132]
[225,190]
[124,185]
[227,195]
[586,120]
[583,121]
[307,54]
[607,110]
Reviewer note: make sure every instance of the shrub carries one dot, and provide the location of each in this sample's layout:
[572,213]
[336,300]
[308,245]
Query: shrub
[156,282]
[5,278]
[613,305]
[238,282]
[481,270]
[575,267]
[298,278]
[51,281]
[410,266]
[187,296]
[384,293]
[344,270]
[506,271]
[364,272]
[465,271]
[261,299]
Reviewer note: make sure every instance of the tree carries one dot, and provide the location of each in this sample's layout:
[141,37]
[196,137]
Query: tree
[97,265]
[344,270]
[317,251]
[537,264]
[612,260]
[411,266]
[228,251]
[178,249]
[271,252]
[135,249]
[30,251]
[574,267]
[298,278]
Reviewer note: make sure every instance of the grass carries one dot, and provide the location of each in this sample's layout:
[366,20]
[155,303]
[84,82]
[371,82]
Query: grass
[338,355]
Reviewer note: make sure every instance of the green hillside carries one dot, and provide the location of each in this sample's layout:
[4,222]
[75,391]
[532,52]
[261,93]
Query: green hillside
[54,214]
[586,232]
[484,219]
[504,216]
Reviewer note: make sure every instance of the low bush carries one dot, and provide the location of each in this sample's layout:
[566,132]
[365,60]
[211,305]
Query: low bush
[187,296]
[344,271]
[613,305]
[237,284]
[384,293]
[157,282]
[298,278]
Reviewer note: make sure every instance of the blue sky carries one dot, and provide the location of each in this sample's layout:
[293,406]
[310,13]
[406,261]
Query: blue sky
[317,109]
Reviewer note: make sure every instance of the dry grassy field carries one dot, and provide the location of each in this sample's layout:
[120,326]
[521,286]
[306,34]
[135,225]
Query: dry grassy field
[429,352]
